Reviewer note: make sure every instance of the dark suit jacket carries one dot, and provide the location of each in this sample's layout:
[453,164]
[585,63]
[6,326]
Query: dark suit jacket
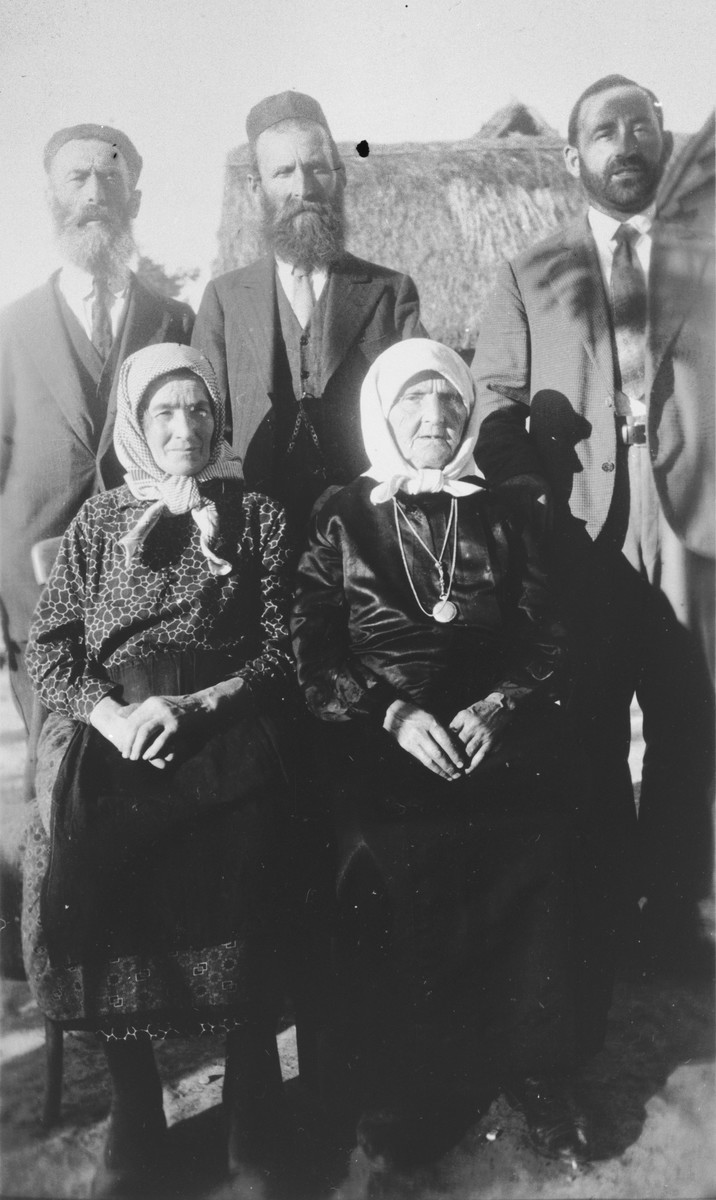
[546,352]
[237,326]
[51,457]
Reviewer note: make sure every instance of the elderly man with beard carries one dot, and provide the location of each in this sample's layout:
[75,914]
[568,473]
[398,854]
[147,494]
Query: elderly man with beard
[292,336]
[61,347]
[617,412]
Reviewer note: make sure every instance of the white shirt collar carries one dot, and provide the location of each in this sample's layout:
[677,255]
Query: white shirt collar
[604,227]
[78,284]
[287,271]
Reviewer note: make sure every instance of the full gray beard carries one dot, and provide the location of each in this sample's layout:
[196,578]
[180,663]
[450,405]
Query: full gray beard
[97,248]
[316,242]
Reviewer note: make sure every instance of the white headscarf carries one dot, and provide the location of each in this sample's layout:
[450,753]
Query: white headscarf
[386,379]
[145,480]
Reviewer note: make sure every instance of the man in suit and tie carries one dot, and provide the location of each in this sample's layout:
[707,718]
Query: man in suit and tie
[291,336]
[61,347]
[569,342]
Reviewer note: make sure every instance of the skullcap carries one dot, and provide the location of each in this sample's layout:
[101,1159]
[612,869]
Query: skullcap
[285,106]
[102,133]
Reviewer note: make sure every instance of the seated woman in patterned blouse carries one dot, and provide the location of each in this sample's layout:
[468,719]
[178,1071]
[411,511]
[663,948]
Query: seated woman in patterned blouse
[160,646]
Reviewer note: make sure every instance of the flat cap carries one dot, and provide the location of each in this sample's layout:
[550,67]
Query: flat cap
[285,106]
[102,133]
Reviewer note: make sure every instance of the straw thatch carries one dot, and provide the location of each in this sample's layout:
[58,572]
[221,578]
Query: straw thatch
[447,213]
[687,190]
[517,120]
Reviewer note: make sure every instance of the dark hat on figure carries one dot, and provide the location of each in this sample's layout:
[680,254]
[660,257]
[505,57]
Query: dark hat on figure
[100,133]
[285,106]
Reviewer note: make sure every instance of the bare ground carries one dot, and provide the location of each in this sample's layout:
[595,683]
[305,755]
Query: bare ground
[652,1093]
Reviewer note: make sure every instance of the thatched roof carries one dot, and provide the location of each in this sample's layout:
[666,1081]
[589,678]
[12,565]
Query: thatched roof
[446,212]
[517,120]
[689,182]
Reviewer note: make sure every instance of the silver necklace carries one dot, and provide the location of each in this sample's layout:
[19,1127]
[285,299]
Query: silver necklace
[443,610]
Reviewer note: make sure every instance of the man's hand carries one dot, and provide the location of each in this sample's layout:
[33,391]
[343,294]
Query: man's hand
[479,727]
[422,735]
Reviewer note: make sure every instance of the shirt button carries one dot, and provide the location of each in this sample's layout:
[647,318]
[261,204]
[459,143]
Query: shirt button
[608,466]
[305,374]
[304,339]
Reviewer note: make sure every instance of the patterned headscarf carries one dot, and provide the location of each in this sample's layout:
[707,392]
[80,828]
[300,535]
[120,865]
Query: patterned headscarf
[387,378]
[145,480]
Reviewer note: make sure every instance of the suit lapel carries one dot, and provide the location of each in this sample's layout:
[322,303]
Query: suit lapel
[49,346]
[256,304]
[145,322]
[351,291]
[575,278]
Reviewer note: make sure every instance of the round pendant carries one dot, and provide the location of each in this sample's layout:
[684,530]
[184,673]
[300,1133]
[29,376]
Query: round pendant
[444,611]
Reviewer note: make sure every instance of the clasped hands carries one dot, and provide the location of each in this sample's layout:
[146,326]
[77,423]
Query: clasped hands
[148,730]
[448,751]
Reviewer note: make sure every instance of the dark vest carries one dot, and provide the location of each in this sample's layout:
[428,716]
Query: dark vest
[96,377]
[302,469]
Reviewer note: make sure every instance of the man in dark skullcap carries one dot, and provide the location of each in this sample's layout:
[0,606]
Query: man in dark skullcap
[61,347]
[291,336]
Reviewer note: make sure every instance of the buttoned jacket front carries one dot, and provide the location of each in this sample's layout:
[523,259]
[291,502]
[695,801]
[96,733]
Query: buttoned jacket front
[546,352]
[368,308]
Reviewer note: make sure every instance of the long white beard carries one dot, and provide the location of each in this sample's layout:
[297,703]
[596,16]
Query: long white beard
[97,248]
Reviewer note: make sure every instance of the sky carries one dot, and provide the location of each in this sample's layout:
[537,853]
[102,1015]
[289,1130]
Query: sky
[179,76]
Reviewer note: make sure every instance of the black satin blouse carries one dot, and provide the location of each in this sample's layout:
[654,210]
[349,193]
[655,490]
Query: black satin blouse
[360,638]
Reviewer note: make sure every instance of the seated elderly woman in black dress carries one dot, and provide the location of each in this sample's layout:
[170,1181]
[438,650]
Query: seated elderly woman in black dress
[424,642]
[161,648]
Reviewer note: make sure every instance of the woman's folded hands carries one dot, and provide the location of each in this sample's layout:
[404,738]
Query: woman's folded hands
[448,751]
[152,729]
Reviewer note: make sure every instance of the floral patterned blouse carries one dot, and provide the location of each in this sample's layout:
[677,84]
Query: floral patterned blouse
[96,613]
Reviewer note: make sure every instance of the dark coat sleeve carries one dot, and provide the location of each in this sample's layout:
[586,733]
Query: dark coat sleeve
[535,638]
[209,336]
[501,368]
[336,688]
[407,311]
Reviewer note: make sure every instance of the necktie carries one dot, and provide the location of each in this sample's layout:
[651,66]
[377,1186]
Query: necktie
[303,300]
[101,320]
[628,299]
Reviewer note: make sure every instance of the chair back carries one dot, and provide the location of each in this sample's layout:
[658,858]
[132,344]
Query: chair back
[42,556]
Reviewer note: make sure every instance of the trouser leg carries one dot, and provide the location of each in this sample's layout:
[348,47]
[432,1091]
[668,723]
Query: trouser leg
[253,1091]
[137,1121]
[601,601]
[675,832]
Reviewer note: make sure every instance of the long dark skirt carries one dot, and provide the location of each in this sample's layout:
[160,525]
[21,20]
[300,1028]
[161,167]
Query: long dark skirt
[154,900]
[458,954]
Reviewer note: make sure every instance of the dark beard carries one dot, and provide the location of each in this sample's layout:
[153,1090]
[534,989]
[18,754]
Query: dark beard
[103,248]
[306,233]
[627,196]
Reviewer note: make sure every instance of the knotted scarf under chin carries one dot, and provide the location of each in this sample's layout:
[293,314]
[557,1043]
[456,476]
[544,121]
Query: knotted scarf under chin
[428,479]
[383,385]
[146,481]
[178,494]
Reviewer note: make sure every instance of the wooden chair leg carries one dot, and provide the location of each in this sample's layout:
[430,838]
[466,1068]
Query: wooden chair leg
[53,1073]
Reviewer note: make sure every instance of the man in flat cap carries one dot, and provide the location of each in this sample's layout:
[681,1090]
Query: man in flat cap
[291,336]
[61,347]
